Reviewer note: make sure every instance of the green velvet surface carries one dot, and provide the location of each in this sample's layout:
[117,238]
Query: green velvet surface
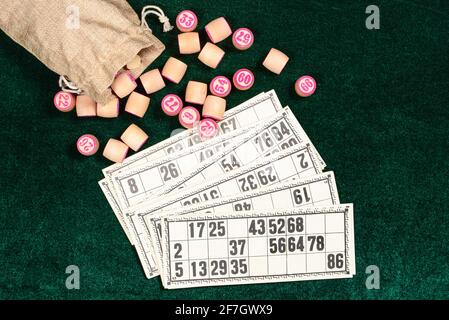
[379,118]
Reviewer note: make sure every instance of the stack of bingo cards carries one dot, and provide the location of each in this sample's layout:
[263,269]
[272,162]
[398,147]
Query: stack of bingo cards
[249,204]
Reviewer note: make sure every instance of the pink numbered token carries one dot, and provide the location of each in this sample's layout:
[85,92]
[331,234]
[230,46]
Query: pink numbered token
[64,101]
[171,104]
[305,86]
[220,86]
[87,145]
[243,79]
[188,117]
[242,38]
[207,128]
[186,21]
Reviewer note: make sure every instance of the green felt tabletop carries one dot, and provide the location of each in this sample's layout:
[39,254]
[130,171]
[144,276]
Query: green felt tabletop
[379,118]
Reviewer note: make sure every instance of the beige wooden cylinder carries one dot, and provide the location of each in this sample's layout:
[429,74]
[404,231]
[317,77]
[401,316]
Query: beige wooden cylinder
[135,63]
[196,92]
[137,104]
[275,61]
[218,30]
[115,150]
[174,70]
[123,84]
[211,55]
[109,110]
[85,106]
[214,107]
[152,81]
[189,42]
[134,137]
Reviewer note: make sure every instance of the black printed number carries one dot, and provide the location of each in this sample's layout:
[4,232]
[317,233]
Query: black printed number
[227,125]
[217,229]
[218,267]
[290,143]
[242,206]
[266,176]
[248,183]
[302,161]
[132,185]
[179,271]
[169,172]
[277,245]
[276,226]
[295,224]
[257,227]
[199,268]
[335,261]
[230,166]
[301,196]
[178,248]
[197,229]
[237,247]
[238,266]
[316,243]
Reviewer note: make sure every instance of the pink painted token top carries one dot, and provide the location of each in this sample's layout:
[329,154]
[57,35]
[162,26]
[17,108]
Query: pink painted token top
[243,79]
[208,128]
[171,104]
[186,21]
[220,86]
[64,101]
[243,38]
[189,116]
[87,145]
[305,86]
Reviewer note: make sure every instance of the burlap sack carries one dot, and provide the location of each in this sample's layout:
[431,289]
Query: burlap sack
[89,50]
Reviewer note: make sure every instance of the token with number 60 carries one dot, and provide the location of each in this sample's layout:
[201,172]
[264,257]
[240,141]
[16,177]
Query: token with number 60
[243,79]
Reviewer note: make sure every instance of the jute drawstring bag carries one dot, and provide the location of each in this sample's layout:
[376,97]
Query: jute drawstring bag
[87,41]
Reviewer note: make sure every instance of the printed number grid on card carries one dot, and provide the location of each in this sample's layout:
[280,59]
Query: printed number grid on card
[318,190]
[295,162]
[258,247]
[276,135]
[244,115]
[140,183]
[135,185]
[260,107]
